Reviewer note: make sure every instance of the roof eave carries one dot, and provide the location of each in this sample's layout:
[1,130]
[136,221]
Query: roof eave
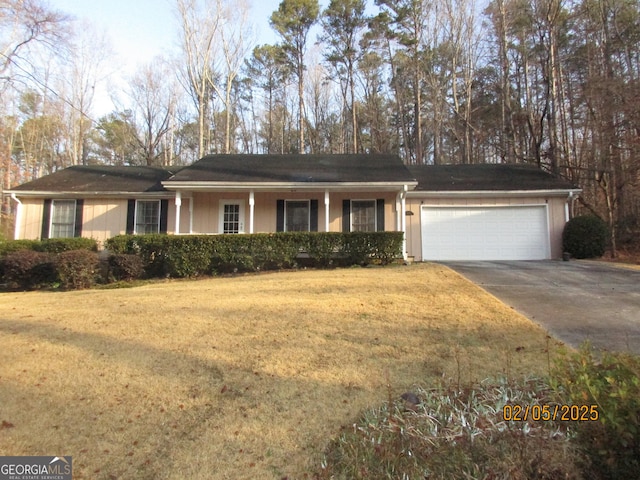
[562,192]
[288,186]
[91,194]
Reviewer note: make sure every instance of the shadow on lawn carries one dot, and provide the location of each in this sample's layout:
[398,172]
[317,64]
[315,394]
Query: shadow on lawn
[202,411]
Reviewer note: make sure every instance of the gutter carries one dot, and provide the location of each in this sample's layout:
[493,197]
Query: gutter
[492,193]
[70,195]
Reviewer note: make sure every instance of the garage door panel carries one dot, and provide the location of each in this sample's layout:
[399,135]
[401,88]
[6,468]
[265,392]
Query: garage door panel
[485,233]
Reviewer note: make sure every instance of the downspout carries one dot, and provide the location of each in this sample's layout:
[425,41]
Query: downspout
[252,204]
[326,210]
[16,232]
[566,207]
[178,208]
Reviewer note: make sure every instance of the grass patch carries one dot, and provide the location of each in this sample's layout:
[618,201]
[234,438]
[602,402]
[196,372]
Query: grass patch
[239,377]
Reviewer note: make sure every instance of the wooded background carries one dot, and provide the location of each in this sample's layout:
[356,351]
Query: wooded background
[554,83]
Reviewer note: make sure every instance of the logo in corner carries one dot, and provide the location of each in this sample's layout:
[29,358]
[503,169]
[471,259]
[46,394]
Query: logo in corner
[36,468]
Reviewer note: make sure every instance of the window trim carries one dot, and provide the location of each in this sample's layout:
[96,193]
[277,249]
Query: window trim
[375,212]
[135,216]
[52,215]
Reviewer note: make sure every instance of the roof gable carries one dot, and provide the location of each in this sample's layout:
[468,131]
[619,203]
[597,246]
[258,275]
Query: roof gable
[486,177]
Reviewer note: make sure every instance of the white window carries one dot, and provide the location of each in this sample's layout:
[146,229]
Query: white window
[297,216]
[363,216]
[63,219]
[147,216]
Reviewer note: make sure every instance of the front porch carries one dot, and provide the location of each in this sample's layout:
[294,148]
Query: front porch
[259,211]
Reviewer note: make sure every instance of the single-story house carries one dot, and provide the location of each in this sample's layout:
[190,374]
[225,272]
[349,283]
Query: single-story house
[448,212]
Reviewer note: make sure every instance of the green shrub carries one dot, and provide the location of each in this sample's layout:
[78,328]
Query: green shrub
[257,252]
[119,244]
[188,256]
[50,245]
[613,385]
[386,247]
[193,255]
[28,269]
[585,236]
[9,246]
[123,266]
[77,269]
[59,245]
[152,250]
[357,248]
[323,249]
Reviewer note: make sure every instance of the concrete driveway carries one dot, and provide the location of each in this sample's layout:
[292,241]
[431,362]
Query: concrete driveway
[575,301]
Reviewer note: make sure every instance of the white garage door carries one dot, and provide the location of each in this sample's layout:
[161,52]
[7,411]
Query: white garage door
[485,233]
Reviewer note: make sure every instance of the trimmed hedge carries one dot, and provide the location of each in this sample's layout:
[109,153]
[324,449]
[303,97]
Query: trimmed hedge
[50,245]
[125,267]
[77,269]
[585,236]
[73,263]
[28,269]
[193,255]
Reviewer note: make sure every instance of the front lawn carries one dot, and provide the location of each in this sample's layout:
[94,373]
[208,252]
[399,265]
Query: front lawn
[239,377]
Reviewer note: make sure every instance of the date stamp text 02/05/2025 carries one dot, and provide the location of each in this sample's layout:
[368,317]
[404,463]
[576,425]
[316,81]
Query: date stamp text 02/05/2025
[545,413]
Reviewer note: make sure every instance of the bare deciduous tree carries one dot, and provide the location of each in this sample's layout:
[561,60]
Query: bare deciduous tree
[198,28]
[153,97]
[233,35]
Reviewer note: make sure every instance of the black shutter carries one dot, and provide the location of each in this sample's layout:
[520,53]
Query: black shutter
[313,216]
[79,213]
[346,215]
[46,219]
[164,215]
[280,216]
[131,216]
[380,214]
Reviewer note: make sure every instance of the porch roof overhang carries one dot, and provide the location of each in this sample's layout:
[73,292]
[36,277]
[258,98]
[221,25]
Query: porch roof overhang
[193,186]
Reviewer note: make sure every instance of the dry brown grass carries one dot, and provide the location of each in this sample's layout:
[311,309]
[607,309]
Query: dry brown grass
[244,377]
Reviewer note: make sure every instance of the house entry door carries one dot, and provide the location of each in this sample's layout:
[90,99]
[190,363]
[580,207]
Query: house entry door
[231,216]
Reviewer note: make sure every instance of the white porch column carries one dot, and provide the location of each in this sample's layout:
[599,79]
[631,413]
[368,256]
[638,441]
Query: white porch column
[403,210]
[252,204]
[326,210]
[178,208]
[191,213]
[18,225]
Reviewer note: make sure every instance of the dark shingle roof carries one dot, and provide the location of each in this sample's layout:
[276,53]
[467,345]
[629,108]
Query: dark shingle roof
[298,169]
[99,178]
[486,177]
[295,168]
